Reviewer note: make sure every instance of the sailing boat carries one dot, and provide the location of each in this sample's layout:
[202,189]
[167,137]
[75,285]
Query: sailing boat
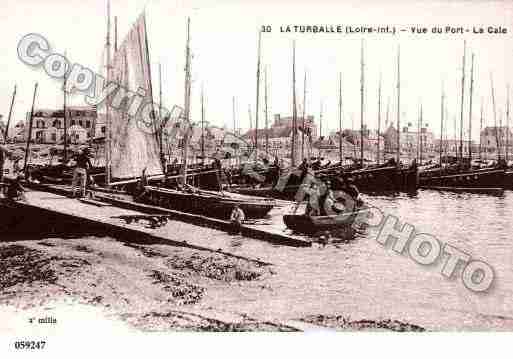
[377,178]
[286,185]
[189,199]
[462,177]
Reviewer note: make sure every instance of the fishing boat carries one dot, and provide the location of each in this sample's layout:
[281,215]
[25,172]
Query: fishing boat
[208,203]
[387,178]
[390,176]
[313,225]
[470,179]
[462,176]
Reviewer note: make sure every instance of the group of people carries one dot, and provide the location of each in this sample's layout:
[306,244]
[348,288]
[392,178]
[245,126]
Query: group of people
[11,187]
[323,200]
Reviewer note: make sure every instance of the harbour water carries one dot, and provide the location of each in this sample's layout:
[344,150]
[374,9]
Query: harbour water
[364,280]
[361,279]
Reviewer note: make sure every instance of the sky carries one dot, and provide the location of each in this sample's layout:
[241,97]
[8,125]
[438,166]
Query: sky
[224,37]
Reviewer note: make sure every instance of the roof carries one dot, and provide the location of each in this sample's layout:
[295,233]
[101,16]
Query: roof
[276,132]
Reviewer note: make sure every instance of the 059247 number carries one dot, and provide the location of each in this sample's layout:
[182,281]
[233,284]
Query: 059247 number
[29,344]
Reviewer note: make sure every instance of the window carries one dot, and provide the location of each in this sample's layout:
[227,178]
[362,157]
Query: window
[73,122]
[103,129]
[88,124]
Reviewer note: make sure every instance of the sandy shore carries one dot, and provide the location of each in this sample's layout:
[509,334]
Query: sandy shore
[148,287]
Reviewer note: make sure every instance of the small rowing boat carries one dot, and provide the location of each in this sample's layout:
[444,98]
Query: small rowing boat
[312,225]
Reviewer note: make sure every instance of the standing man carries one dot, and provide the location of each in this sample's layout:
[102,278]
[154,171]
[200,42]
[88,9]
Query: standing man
[236,218]
[313,200]
[83,164]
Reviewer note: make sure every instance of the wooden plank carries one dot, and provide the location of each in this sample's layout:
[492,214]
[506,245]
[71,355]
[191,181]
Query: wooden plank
[94,203]
[260,232]
[103,216]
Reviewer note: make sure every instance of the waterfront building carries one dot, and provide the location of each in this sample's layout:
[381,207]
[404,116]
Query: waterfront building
[490,135]
[279,135]
[409,139]
[82,123]
[452,146]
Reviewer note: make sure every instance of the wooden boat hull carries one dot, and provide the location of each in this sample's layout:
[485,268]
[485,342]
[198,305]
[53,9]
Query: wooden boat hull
[494,191]
[288,193]
[210,205]
[314,225]
[382,179]
[508,179]
[488,178]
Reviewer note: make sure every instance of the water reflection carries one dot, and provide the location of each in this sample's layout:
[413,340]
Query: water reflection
[363,279]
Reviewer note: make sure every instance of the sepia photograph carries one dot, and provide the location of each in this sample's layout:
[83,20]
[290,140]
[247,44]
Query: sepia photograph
[342,170]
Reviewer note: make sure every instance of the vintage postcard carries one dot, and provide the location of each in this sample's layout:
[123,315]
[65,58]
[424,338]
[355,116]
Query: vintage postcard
[253,166]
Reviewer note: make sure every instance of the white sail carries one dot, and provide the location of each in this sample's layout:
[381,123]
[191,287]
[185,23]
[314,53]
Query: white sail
[132,149]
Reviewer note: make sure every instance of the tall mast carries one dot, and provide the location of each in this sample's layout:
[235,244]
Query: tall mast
[257,109]
[470,110]
[507,124]
[340,149]
[233,116]
[442,109]
[419,125]
[115,34]
[362,84]
[379,117]
[251,124]
[187,102]
[462,98]
[202,126]
[161,129]
[29,138]
[455,135]
[495,120]
[150,88]
[266,115]
[303,121]
[480,128]
[320,121]
[294,109]
[108,141]
[387,124]
[420,134]
[398,104]
[10,114]
[65,110]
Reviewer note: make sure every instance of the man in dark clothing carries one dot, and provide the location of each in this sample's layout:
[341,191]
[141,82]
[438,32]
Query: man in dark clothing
[351,189]
[15,191]
[83,164]
[304,169]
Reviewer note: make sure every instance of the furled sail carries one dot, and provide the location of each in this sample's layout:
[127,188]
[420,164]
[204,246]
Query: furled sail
[134,145]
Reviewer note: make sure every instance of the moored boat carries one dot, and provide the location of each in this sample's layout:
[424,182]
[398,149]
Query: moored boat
[482,178]
[379,179]
[313,225]
[211,204]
